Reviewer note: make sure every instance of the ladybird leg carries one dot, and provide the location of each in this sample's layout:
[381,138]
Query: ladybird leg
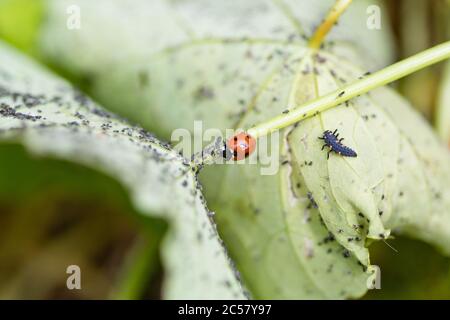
[324,146]
[340,140]
[334,132]
[328,154]
[321,138]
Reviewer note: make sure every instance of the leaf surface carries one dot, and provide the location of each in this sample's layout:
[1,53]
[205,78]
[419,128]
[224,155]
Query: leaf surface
[50,118]
[237,63]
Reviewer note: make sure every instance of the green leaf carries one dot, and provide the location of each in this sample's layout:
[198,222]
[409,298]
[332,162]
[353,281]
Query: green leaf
[50,118]
[399,180]
[168,63]
[281,246]
[276,234]
[233,49]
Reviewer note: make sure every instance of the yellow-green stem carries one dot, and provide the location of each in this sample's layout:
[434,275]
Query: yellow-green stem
[336,11]
[370,82]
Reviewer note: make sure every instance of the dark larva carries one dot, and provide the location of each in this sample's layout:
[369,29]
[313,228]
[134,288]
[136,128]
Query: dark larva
[333,142]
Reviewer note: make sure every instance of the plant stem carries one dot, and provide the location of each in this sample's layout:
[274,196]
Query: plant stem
[336,11]
[378,79]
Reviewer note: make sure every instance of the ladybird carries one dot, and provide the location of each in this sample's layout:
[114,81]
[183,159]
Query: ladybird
[333,142]
[240,146]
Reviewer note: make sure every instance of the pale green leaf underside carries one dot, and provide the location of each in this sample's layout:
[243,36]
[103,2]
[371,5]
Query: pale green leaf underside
[50,118]
[398,181]
[235,63]
[214,54]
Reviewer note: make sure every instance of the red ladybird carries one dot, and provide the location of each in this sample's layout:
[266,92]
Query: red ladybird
[241,145]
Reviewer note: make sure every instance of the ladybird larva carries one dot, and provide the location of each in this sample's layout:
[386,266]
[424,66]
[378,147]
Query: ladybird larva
[333,142]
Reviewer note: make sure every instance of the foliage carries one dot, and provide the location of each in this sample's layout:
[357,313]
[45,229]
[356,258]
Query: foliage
[301,233]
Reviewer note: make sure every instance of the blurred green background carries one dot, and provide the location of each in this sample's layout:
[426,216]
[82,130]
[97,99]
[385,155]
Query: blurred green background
[50,218]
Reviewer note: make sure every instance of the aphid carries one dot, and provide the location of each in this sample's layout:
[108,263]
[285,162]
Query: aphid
[346,253]
[333,142]
[241,145]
